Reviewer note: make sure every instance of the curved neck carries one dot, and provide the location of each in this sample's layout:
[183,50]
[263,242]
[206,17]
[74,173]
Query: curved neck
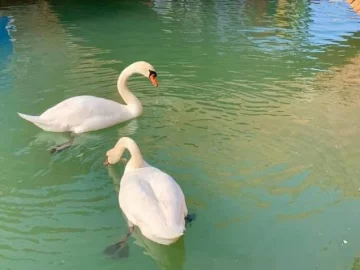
[129,98]
[136,161]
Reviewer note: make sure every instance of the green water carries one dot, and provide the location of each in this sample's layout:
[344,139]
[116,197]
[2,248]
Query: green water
[249,118]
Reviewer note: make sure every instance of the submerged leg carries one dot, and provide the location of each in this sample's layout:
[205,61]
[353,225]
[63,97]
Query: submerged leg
[64,145]
[123,160]
[189,218]
[121,248]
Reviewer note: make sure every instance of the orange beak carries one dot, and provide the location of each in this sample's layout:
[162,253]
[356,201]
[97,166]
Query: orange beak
[154,80]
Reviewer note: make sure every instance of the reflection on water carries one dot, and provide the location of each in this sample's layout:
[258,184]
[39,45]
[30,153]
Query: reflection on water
[255,117]
[172,257]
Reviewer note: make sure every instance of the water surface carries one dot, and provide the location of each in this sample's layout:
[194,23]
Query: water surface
[256,117]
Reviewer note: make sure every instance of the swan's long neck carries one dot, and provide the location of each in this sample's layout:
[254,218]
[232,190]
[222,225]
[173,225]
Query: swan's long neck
[130,99]
[136,161]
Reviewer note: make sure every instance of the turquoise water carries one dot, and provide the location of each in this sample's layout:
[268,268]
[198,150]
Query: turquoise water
[254,117]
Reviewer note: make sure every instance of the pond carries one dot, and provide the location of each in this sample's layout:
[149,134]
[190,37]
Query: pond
[255,116]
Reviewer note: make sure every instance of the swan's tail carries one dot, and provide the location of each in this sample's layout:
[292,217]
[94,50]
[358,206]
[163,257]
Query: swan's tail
[36,120]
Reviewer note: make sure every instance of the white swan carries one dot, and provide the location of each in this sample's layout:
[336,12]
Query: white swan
[88,113]
[149,198]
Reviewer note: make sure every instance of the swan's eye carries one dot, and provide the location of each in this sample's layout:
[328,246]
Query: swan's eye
[152,73]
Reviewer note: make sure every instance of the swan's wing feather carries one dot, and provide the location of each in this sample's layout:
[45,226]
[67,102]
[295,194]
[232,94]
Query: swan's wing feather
[81,107]
[170,196]
[153,202]
[76,111]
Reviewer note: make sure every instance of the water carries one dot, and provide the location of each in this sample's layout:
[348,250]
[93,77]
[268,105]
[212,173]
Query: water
[256,117]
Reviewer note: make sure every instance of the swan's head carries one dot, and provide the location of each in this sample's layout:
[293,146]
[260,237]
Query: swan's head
[113,156]
[147,70]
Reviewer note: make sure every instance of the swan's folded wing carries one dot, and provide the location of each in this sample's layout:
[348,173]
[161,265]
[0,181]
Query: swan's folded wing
[170,196]
[159,210]
[76,110]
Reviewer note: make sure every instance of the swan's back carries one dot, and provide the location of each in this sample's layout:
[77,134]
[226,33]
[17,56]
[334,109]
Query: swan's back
[86,112]
[154,202]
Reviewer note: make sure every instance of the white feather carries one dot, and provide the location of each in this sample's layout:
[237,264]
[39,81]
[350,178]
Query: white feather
[149,197]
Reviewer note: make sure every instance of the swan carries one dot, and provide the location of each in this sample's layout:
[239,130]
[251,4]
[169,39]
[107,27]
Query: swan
[85,113]
[149,198]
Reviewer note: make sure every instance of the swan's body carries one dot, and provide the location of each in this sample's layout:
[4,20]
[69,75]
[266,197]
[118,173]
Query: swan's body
[88,113]
[82,114]
[154,202]
[149,198]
